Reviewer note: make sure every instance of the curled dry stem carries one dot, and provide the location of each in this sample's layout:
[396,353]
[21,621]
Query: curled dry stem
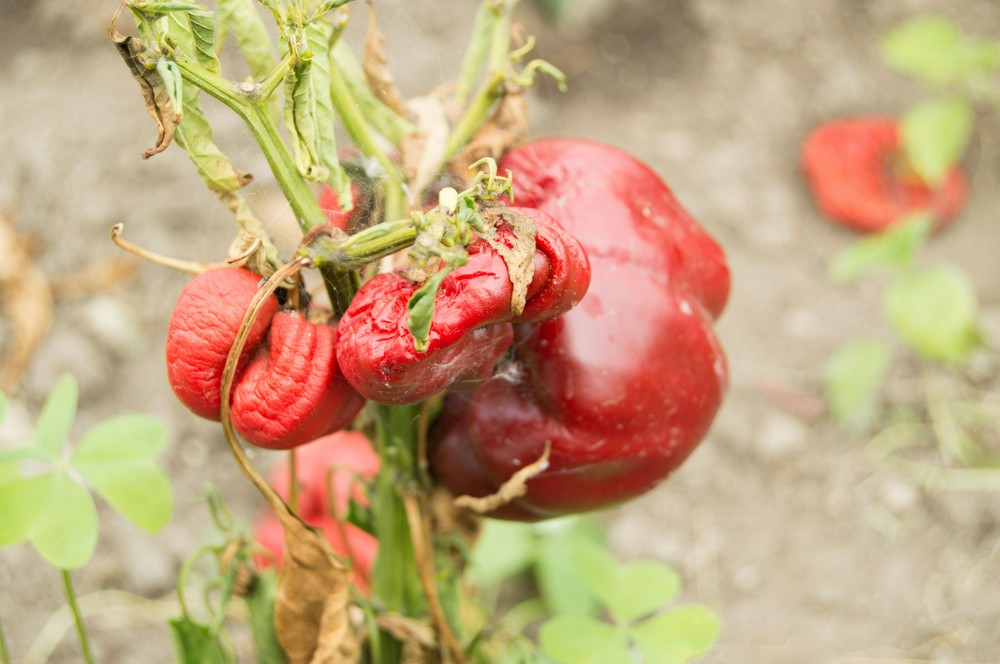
[179,264]
[420,535]
[513,488]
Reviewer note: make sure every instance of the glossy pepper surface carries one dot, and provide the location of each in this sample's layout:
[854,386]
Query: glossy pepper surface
[860,178]
[288,389]
[623,386]
[471,325]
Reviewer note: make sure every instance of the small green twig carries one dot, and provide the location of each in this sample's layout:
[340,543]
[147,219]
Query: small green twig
[4,653]
[81,630]
[359,131]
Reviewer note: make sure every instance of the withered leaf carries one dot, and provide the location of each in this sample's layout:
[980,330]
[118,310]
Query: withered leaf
[520,256]
[424,150]
[154,92]
[26,302]
[311,607]
[380,79]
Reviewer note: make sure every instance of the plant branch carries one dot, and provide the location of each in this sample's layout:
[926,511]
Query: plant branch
[424,554]
[81,629]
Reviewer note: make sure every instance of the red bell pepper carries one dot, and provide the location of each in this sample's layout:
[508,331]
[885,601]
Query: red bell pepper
[623,386]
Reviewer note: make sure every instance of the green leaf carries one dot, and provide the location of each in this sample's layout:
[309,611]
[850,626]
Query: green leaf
[629,591]
[203,31]
[853,377]
[935,134]
[560,583]
[503,550]
[8,473]
[260,603]
[935,311]
[194,133]
[242,19]
[421,306]
[935,49]
[348,77]
[127,437]
[195,643]
[56,417]
[117,458]
[582,640]
[677,636]
[309,114]
[892,249]
[21,501]
[65,531]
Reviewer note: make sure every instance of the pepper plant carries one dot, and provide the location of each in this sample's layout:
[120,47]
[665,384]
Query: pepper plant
[555,289]
[932,309]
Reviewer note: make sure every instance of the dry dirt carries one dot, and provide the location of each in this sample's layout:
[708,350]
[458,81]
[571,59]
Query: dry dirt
[809,550]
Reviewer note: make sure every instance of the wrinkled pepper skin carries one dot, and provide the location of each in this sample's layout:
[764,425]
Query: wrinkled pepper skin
[859,178]
[288,389]
[623,386]
[471,326]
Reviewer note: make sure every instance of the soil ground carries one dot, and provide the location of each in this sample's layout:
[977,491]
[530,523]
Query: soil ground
[809,549]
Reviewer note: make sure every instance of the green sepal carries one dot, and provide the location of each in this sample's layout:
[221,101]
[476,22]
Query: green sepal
[421,308]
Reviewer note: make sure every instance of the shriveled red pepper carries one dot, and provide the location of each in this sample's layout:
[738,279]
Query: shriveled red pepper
[471,325]
[860,178]
[623,386]
[288,389]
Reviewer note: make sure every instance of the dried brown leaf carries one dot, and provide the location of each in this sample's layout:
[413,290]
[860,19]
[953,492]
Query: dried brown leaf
[26,302]
[507,128]
[93,278]
[512,489]
[520,257]
[154,92]
[311,607]
[406,629]
[375,64]
[424,150]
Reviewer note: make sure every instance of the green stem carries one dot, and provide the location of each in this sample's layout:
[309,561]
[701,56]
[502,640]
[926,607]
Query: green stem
[477,113]
[4,653]
[357,127]
[81,630]
[251,106]
[395,578]
[479,48]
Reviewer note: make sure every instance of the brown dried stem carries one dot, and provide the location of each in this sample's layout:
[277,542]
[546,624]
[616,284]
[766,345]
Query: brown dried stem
[420,534]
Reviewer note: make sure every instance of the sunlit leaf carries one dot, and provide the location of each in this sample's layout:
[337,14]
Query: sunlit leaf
[853,378]
[117,458]
[560,583]
[935,49]
[677,636]
[128,437]
[21,501]
[891,249]
[65,531]
[935,134]
[629,591]
[503,550]
[583,640]
[935,311]
[57,415]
